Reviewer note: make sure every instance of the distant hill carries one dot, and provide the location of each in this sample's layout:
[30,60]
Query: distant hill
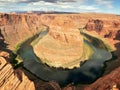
[45,12]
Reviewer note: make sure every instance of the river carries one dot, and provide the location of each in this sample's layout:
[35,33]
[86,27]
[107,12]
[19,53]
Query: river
[87,73]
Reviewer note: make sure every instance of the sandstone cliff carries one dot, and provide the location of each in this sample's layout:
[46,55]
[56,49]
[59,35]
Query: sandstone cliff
[15,28]
[11,79]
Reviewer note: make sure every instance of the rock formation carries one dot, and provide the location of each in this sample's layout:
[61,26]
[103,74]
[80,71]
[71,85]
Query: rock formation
[96,25]
[15,28]
[107,82]
[61,46]
[11,79]
[107,28]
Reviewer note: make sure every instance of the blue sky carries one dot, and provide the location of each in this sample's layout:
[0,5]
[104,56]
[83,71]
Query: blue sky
[100,6]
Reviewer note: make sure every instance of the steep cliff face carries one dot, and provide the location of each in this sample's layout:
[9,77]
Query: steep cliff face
[106,27]
[15,28]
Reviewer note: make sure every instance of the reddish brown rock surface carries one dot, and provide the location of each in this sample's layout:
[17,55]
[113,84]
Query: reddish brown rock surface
[15,28]
[11,79]
[107,82]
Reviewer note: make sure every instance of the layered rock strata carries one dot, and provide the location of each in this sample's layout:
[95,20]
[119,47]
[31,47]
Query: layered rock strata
[11,79]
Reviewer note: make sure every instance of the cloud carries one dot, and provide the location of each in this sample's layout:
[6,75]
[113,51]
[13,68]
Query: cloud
[29,1]
[107,3]
[88,8]
[56,5]
[66,5]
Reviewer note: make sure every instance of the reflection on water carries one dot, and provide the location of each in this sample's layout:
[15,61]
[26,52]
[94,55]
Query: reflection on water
[88,72]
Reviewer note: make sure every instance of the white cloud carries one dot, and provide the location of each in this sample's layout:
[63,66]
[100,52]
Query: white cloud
[57,5]
[67,6]
[12,1]
[88,8]
[107,3]
[42,3]
[46,4]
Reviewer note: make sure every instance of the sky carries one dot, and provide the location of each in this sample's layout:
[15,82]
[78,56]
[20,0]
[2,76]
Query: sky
[98,6]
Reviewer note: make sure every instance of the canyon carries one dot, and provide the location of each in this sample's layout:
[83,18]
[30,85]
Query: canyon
[64,28]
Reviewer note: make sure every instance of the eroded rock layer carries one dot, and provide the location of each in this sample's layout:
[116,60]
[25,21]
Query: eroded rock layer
[11,79]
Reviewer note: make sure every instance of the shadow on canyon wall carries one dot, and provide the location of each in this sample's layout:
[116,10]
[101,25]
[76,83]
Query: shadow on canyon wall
[113,64]
[3,46]
[2,43]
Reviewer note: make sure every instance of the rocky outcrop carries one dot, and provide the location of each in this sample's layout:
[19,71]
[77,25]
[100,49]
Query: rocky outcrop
[108,82]
[49,86]
[55,49]
[106,27]
[11,79]
[96,25]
